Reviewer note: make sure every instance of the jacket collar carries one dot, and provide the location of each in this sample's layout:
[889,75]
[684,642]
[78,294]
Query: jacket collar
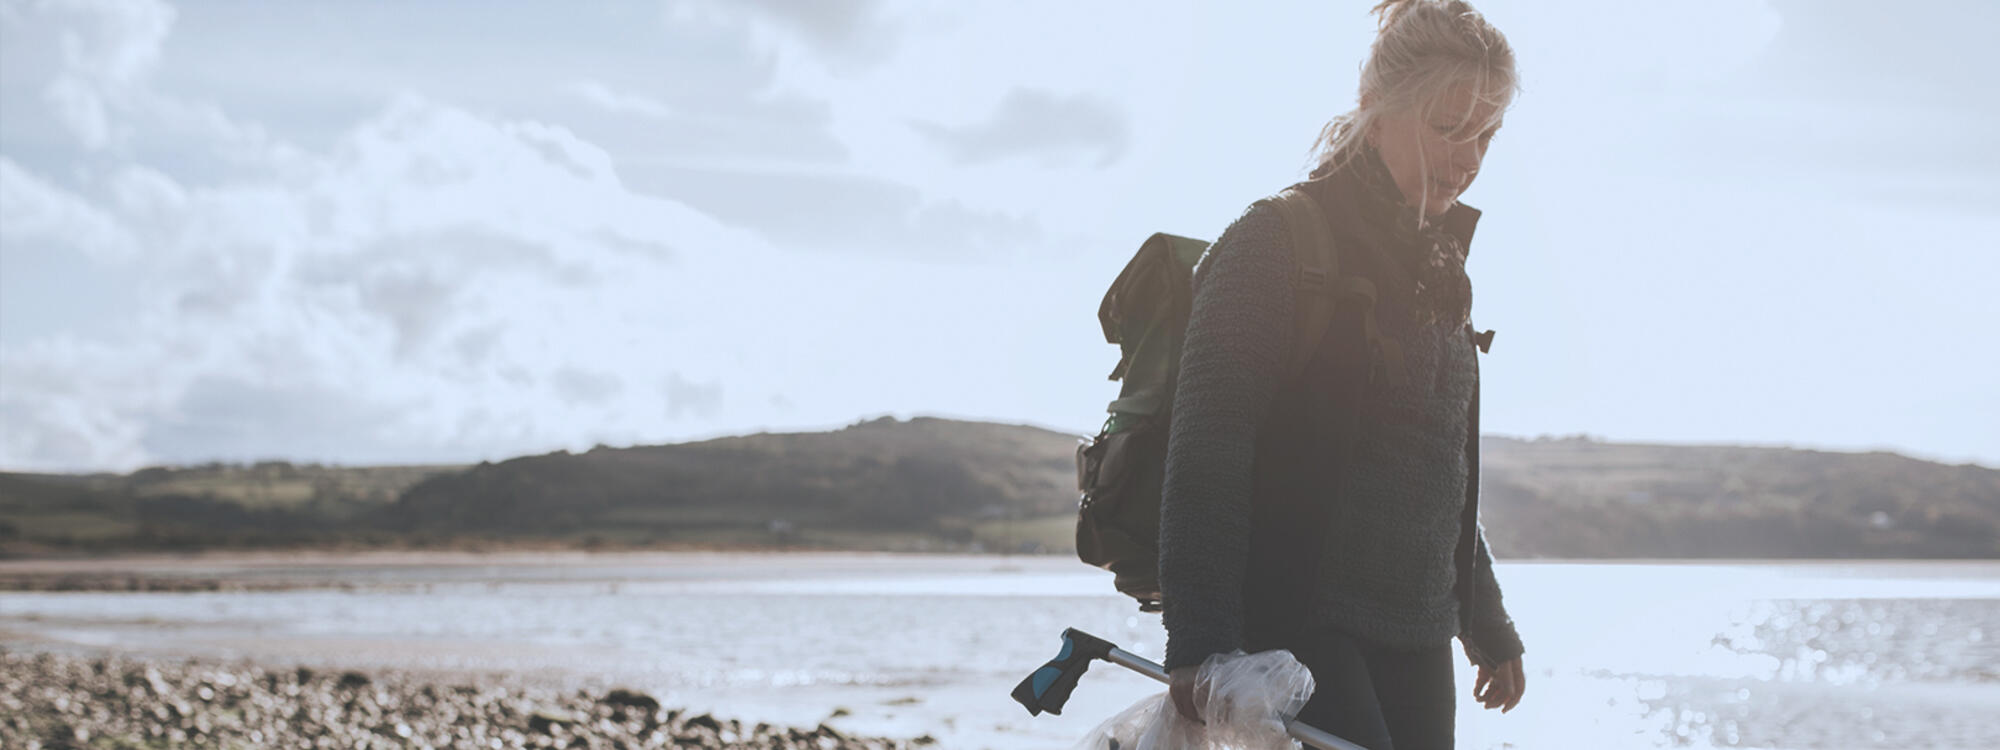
[1459,221]
[1343,193]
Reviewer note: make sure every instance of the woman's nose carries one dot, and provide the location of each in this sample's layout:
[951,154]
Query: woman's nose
[1466,156]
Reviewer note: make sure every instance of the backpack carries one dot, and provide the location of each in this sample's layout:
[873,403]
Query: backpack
[1121,471]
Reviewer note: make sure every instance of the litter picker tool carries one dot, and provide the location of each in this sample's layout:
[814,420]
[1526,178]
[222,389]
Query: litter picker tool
[1048,688]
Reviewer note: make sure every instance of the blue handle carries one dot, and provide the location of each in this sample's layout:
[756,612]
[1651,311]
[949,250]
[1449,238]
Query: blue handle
[1048,688]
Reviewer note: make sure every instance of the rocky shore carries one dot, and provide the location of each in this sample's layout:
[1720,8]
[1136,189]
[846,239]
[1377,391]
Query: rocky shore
[63,701]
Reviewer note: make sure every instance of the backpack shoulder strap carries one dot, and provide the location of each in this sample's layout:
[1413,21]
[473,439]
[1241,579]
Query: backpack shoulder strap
[1319,272]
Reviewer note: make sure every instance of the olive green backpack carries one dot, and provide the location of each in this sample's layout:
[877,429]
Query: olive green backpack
[1120,472]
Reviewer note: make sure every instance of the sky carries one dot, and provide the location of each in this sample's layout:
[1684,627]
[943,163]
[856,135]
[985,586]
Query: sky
[376,232]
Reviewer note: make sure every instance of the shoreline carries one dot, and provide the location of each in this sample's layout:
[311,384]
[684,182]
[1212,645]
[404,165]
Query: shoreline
[290,570]
[268,571]
[62,699]
[531,553]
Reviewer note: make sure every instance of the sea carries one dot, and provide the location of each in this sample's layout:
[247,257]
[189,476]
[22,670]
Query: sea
[1792,655]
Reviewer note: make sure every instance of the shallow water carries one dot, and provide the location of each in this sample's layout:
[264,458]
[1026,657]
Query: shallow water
[1765,655]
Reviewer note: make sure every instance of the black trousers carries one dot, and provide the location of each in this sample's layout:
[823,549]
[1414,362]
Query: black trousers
[1377,697]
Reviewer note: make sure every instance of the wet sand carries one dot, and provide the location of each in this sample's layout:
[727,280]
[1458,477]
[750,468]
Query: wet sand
[283,570]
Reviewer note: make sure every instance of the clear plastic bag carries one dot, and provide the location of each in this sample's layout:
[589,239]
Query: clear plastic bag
[1246,699]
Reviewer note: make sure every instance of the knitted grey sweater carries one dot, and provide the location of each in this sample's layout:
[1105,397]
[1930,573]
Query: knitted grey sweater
[1388,571]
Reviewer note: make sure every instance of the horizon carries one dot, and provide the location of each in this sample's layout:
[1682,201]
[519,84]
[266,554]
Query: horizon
[905,418]
[372,234]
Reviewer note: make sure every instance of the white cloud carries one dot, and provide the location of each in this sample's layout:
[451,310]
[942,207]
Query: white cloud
[841,34]
[429,234]
[68,404]
[622,102]
[94,64]
[849,213]
[441,285]
[1032,122]
[82,109]
[35,214]
[688,398]
[147,194]
[107,46]
[118,42]
[579,386]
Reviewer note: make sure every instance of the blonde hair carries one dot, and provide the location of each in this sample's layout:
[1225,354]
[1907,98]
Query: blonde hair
[1422,49]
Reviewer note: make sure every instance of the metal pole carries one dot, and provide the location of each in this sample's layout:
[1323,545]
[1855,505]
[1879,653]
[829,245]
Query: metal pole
[1299,730]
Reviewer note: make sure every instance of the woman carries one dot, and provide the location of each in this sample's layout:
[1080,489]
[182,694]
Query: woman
[1333,513]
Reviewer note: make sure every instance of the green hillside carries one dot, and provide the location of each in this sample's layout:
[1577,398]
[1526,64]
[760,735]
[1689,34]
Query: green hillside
[1582,498]
[937,484]
[924,483]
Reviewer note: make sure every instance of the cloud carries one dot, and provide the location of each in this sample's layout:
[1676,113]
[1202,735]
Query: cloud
[221,415]
[70,404]
[82,109]
[686,398]
[847,34]
[816,209]
[433,281]
[258,66]
[1030,123]
[35,214]
[436,285]
[843,212]
[117,42]
[578,386]
[742,124]
[80,85]
[415,303]
[421,167]
[621,102]
[108,47]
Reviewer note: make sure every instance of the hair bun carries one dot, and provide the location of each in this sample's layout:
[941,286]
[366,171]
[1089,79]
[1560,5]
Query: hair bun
[1390,10]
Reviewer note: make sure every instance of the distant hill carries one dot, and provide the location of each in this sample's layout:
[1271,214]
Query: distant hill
[270,503]
[1582,498]
[937,484]
[924,478]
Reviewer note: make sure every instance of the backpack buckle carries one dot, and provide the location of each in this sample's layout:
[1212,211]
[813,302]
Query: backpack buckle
[1313,280]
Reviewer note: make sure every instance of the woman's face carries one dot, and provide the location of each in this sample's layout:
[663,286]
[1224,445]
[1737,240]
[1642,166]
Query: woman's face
[1433,156]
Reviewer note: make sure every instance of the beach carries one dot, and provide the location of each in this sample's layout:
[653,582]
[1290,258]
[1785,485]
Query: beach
[889,650]
[54,700]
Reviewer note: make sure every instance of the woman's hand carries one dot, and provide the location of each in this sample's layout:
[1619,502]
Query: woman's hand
[1501,687]
[1180,687]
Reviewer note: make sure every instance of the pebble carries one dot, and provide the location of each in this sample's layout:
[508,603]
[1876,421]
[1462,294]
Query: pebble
[134,702]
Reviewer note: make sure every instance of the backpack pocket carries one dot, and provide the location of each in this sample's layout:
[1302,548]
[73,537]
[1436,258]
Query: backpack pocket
[1119,478]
